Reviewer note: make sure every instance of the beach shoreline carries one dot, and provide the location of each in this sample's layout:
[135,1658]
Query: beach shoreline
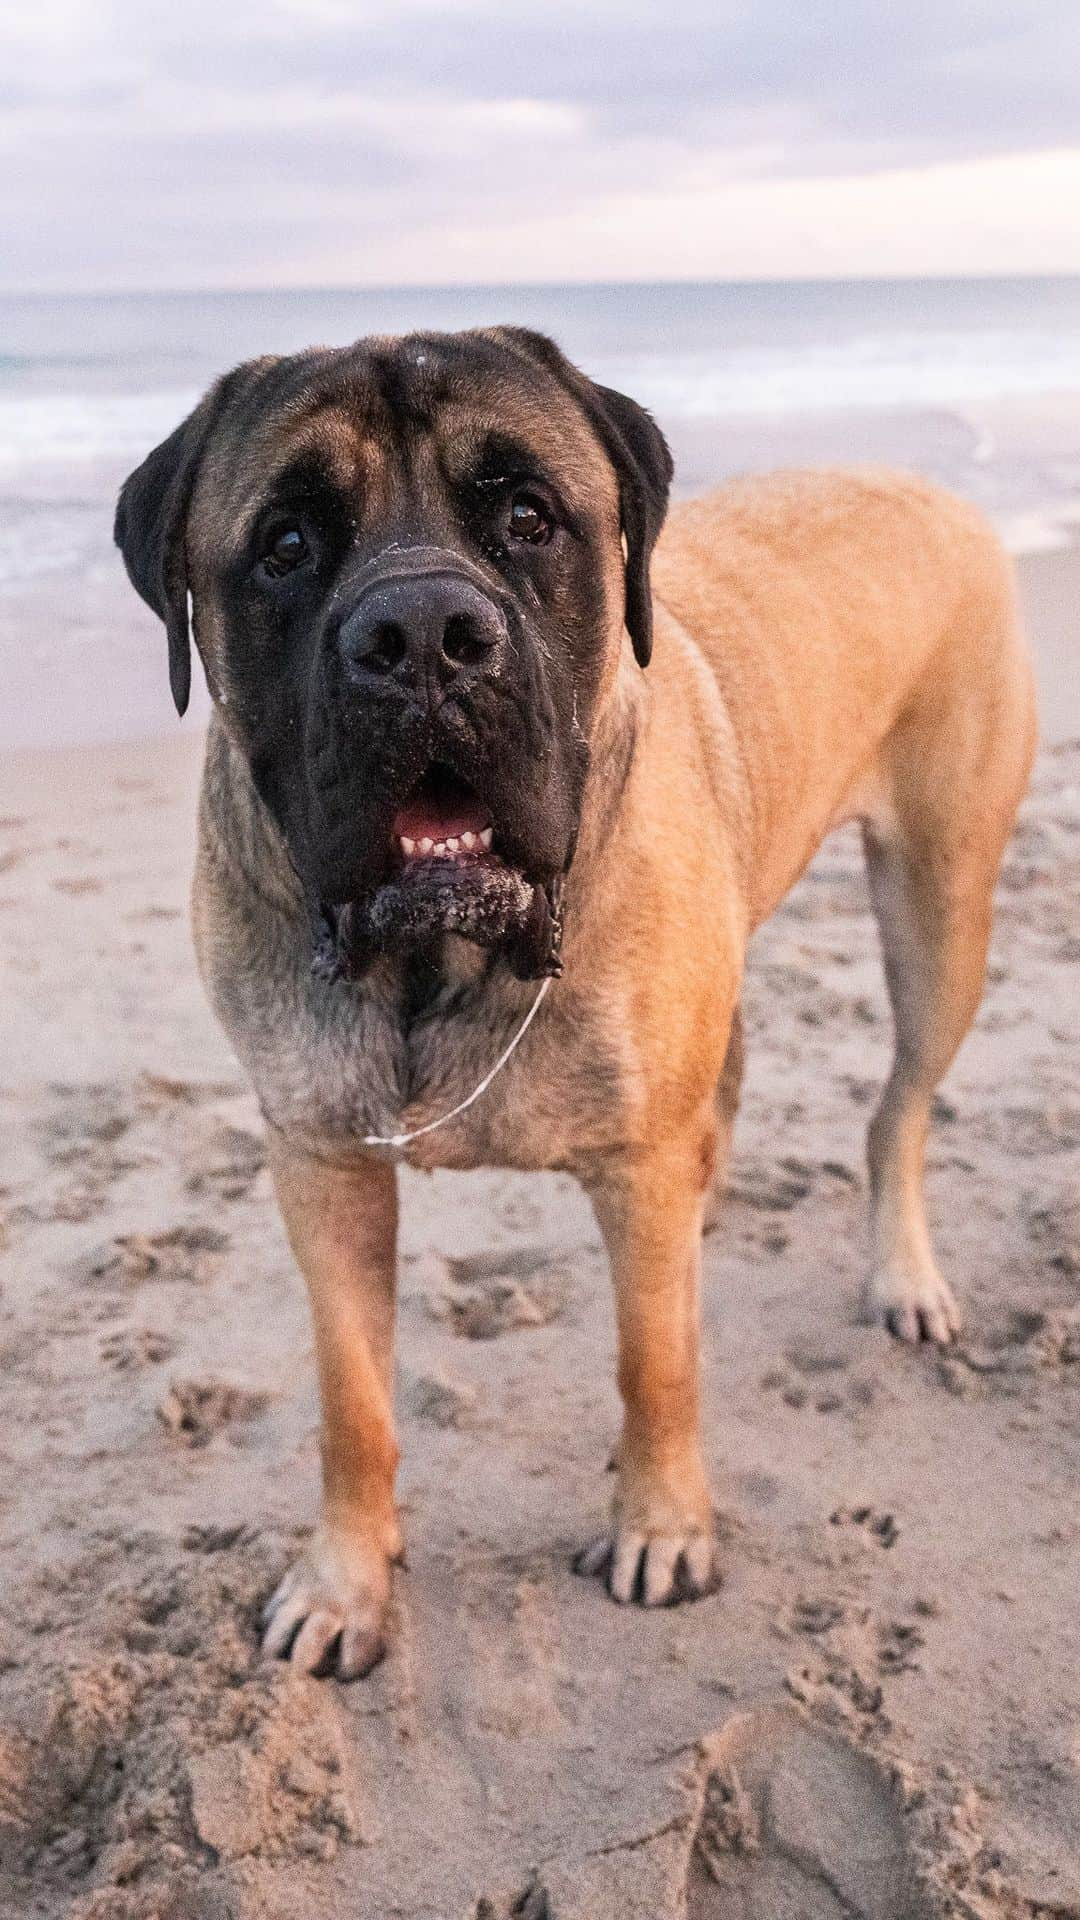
[976,387]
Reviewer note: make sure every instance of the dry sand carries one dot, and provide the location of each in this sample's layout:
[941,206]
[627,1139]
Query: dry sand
[877,1717]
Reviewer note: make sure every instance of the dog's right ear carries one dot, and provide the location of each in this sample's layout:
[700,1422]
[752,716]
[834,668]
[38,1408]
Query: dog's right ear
[151,528]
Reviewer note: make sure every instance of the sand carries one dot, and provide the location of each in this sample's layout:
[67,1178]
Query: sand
[876,1717]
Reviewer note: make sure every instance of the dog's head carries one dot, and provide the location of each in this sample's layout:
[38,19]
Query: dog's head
[410,566]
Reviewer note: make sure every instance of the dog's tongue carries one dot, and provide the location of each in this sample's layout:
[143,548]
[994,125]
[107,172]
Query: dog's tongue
[440,818]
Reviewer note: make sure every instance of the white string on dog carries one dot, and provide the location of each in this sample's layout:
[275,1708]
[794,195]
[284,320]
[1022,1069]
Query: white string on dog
[403,1139]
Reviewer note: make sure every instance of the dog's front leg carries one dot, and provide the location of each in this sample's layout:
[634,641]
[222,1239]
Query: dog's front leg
[328,1615]
[659,1548]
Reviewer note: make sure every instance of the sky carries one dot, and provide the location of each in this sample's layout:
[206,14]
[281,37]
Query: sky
[333,142]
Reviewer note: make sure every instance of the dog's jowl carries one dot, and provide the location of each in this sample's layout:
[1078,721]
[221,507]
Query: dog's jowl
[480,725]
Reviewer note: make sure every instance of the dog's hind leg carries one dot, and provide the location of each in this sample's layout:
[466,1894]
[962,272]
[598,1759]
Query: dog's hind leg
[727,1106]
[935,952]
[933,853]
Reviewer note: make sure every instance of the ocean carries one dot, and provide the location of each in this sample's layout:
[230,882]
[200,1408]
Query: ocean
[974,382]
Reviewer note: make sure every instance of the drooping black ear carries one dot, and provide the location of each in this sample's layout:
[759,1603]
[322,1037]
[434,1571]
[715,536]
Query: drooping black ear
[151,529]
[643,467]
[642,460]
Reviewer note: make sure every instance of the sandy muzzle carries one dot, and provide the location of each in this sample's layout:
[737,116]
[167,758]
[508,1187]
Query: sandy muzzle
[493,905]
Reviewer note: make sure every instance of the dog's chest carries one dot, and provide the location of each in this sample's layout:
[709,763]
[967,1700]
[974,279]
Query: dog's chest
[357,1068]
[462,1072]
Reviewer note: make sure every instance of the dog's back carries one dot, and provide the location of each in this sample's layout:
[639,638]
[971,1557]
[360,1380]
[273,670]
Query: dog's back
[836,609]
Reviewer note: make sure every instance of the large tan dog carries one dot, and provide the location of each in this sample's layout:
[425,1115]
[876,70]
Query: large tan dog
[420,575]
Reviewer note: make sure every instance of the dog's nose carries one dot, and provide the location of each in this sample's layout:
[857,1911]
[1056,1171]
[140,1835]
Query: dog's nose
[413,626]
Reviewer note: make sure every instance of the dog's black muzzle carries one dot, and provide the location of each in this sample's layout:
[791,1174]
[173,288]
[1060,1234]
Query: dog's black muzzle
[424,670]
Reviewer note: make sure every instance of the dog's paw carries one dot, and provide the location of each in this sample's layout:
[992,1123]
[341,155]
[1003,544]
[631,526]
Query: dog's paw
[914,1305]
[653,1570]
[328,1616]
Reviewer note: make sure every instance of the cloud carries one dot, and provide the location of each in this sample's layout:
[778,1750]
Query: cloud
[149,144]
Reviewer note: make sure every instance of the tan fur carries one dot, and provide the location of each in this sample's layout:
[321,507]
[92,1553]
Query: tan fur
[827,647]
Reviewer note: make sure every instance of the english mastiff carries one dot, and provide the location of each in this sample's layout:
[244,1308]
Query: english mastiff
[481,733]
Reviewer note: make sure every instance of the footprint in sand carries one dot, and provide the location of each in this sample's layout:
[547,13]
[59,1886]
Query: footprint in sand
[193,1411]
[229,1165]
[1053,1223]
[1032,1343]
[188,1254]
[1034,1130]
[770,1189]
[495,1293]
[882,1527]
[442,1402]
[136,1347]
[797,1825]
[88,1120]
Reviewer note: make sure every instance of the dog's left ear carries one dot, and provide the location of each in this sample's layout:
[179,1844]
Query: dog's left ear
[643,467]
[151,530]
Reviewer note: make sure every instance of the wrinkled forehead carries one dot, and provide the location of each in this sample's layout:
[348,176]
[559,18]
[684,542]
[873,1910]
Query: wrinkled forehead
[387,419]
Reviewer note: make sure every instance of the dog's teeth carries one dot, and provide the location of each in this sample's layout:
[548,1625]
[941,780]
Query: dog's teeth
[452,845]
[439,847]
[485,837]
[426,845]
[468,841]
[407,846]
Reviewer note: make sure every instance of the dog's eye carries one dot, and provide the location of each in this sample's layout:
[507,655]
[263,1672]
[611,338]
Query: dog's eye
[530,519]
[285,548]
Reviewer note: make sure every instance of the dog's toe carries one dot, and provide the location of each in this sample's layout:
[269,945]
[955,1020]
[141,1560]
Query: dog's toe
[917,1308]
[595,1559]
[651,1571]
[326,1617]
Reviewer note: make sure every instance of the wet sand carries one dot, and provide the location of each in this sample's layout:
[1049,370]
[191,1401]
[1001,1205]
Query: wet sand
[877,1716]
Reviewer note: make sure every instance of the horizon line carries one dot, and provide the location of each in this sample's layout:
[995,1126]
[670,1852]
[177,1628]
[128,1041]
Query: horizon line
[255,290]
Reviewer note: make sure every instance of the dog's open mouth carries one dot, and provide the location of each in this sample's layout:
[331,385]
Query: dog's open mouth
[445,875]
[444,819]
